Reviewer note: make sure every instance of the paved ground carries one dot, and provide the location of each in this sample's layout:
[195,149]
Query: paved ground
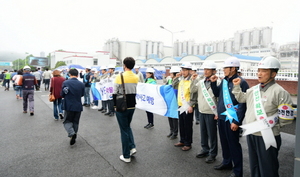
[38,146]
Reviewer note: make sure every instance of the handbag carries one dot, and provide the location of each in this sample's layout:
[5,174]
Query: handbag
[51,96]
[121,104]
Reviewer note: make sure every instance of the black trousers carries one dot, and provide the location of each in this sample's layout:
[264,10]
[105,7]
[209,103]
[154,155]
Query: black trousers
[263,163]
[150,117]
[173,122]
[186,128]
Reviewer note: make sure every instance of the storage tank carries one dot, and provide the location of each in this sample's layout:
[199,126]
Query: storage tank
[184,47]
[215,46]
[155,48]
[201,49]
[255,37]
[161,53]
[195,49]
[237,42]
[175,48]
[246,39]
[190,47]
[116,48]
[143,48]
[149,48]
[229,44]
[180,48]
[267,36]
[221,46]
[110,49]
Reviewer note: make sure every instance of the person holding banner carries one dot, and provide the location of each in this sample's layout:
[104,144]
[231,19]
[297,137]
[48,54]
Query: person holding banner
[125,118]
[231,114]
[150,80]
[269,107]
[96,95]
[110,102]
[87,83]
[207,112]
[104,75]
[186,101]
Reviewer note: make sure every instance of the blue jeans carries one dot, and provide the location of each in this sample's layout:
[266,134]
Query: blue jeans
[57,104]
[124,120]
[87,99]
[19,90]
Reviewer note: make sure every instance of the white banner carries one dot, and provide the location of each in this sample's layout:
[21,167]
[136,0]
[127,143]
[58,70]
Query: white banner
[106,88]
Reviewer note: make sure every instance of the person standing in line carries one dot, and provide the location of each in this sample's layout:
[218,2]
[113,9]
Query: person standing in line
[93,79]
[72,91]
[186,101]
[207,112]
[38,78]
[46,78]
[55,89]
[265,101]
[150,80]
[18,88]
[28,82]
[7,77]
[173,122]
[231,114]
[86,80]
[110,102]
[125,118]
[196,109]
[139,74]
[103,76]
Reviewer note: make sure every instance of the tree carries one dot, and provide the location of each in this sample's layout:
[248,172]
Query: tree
[60,63]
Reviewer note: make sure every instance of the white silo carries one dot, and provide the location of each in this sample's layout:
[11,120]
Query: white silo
[149,48]
[195,49]
[246,39]
[237,42]
[221,46]
[155,48]
[229,44]
[175,48]
[111,49]
[190,47]
[267,36]
[184,47]
[161,53]
[201,49]
[215,46]
[143,48]
[180,48]
[255,37]
[116,49]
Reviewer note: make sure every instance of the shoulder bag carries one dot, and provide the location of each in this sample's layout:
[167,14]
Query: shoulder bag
[121,104]
[51,96]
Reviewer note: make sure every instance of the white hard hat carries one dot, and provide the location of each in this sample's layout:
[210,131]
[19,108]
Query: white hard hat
[231,62]
[209,64]
[94,69]
[150,70]
[269,63]
[111,66]
[103,67]
[186,65]
[26,68]
[194,68]
[88,67]
[174,69]
[136,66]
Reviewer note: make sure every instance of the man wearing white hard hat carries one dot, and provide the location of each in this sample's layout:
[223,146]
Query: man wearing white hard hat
[110,103]
[104,75]
[269,107]
[28,82]
[231,114]
[137,72]
[86,80]
[93,79]
[207,112]
[196,109]
[186,102]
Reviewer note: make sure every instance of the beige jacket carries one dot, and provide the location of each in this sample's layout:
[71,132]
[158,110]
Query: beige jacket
[273,95]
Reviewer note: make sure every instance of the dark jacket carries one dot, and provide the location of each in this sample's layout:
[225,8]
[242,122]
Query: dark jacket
[72,91]
[218,92]
[28,81]
[86,79]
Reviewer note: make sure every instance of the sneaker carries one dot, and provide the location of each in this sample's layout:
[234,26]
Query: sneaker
[84,104]
[104,111]
[127,160]
[210,159]
[111,114]
[31,113]
[146,126]
[100,109]
[55,119]
[173,137]
[25,112]
[61,116]
[94,107]
[73,139]
[150,126]
[132,151]
[169,135]
[87,105]
[108,113]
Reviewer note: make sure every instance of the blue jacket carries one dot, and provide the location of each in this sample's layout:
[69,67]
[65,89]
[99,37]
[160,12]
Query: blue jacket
[218,92]
[72,91]
[86,79]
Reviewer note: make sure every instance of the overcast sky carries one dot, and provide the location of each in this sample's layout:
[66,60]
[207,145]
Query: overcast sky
[84,25]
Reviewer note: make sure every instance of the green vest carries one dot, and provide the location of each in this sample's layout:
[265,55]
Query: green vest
[7,75]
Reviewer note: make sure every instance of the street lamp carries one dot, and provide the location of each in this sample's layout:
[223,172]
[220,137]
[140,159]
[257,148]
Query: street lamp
[172,37]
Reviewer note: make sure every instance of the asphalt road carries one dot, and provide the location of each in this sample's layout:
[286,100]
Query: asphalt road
[38,146]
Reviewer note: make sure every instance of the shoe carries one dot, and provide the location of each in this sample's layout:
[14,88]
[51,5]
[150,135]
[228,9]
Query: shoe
[202,154]
[169,135]
[127,160]
[87,105]
[146,126]
[197,122]
[17,96]
[61,116]
[73,139]
[132,151]
[104,111]
[24,111]
[111,114]
[20,98]
[94,107]
[84,104]
[173,137]
[55,119]
[150,126]
[179,144]
[186,148]
[223,167]
[210,159]
[232,175]
[107,113]
[31,113]
[100,109]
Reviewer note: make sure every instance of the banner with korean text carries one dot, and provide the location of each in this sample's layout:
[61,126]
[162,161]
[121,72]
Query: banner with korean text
[105,88]
[158,99]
